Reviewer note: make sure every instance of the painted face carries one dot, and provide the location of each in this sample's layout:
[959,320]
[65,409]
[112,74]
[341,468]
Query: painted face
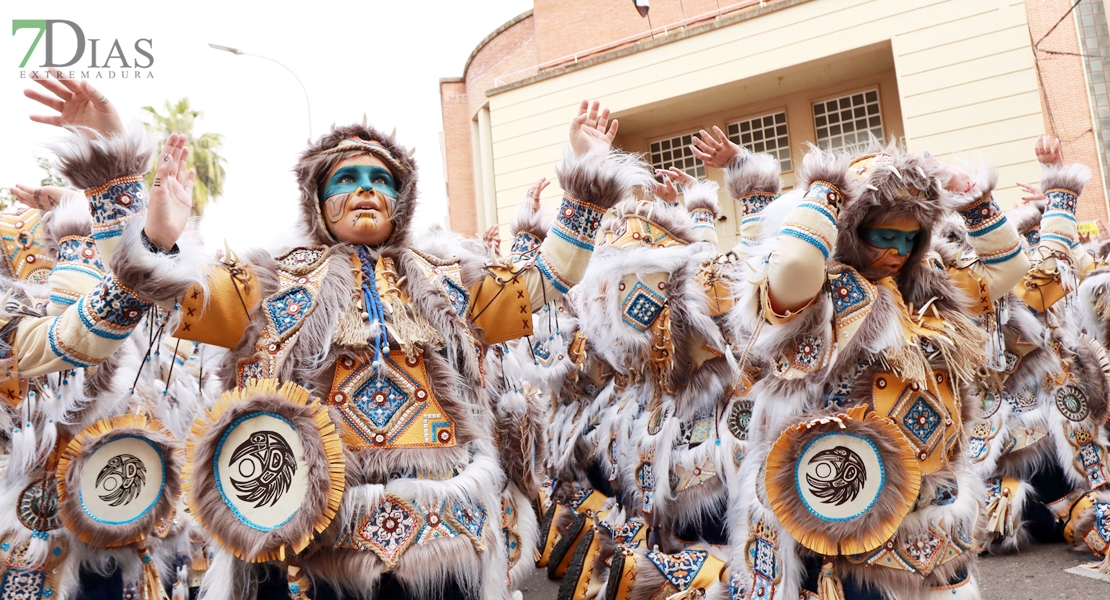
[889,243]
[358,201]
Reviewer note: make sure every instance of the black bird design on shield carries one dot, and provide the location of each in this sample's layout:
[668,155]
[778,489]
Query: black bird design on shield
[128,472]
[267,464]
[842,479]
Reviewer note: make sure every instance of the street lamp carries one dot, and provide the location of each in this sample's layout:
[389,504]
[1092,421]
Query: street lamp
[308,105]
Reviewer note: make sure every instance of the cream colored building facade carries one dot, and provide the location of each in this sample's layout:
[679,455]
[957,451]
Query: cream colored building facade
[957,78]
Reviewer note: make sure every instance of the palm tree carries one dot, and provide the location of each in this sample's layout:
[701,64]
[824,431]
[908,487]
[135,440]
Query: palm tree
[205,150]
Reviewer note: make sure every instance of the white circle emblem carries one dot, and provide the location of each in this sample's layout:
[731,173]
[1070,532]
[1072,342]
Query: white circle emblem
[839,476]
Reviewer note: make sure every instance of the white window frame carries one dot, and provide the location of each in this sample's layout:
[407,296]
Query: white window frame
[829,126]
[698,168]
[781,147]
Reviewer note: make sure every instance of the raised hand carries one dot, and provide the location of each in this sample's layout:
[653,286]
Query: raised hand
[43,198]
[533,195]
[714,152]
[1103,234]
[171,196]
[1034,194]
[665,191]
[591,130]
[492,238]
[679,177]
[78,102]
[1048,151]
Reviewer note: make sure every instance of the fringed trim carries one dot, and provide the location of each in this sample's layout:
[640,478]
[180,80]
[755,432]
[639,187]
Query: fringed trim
[829,586]
[333,449]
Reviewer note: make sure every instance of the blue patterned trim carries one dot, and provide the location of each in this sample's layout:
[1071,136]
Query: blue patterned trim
[1033,237]
[82,270]
[557,281]
[806,236]
[754,203]
[63,300]
[1001,258]
[79,251]
[142,513]
[825,193]
[577,223]
[1061,199]
[110,310]
[114,203]
[219,483]
[703,218]
[1055,213]
[1057,237]
[989,227]
[58,348]
[978,214]
[819,208]
[525,245]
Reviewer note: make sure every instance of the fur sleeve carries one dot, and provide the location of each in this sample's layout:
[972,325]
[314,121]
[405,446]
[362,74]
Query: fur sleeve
[159,277]
[530,221]
[753,174]
[601,178]
[89,162]
[1073,177]
[702,196]
[70,218]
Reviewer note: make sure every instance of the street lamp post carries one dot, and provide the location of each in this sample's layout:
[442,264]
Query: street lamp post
[307,104]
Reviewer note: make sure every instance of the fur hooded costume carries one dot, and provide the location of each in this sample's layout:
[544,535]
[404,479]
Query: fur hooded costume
[148,388]
[404,389]
[1054,379]
[900,348]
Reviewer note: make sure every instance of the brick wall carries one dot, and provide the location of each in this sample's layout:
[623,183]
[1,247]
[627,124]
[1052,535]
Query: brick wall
[1064,99]
[461,207]
[511,49]
[564,27]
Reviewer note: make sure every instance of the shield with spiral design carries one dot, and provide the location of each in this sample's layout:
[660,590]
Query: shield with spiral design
[266,468]
[843,484]
[117,478]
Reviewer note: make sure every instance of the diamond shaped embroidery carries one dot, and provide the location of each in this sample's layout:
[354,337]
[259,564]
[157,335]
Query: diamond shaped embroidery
[641,306]
[435,526]
[379,399]
[459,298]
[679,569]
[470,515]
[390,529]
[288,308]
[921,420]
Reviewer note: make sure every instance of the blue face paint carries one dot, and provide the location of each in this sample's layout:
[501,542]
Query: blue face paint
[898,240]
[348,179]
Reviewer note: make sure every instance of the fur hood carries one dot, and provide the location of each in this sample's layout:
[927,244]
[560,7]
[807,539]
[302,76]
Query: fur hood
[321,157]
[893,182]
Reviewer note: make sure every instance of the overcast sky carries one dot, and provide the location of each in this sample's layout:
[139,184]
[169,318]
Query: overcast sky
[379,58]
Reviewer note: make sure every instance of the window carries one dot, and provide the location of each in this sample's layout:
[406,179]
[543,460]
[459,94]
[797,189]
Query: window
[848,120]
[764,134]
[675,152]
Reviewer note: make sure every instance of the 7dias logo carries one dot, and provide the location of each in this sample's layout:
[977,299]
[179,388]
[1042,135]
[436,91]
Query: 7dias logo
[65,45]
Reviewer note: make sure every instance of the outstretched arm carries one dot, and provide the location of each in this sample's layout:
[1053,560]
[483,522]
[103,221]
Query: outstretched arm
[593,180]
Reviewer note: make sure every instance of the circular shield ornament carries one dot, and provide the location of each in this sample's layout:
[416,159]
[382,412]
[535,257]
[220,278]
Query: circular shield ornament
[1072,403]
[38,506]
[843,484]
[265,464]
[118,478]
[991,403]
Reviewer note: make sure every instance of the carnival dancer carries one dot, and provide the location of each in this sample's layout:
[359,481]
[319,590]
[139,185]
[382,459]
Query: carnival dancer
[389,336]
[1037,443]
[855,478]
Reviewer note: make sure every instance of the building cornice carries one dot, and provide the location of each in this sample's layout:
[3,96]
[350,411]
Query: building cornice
[642,45]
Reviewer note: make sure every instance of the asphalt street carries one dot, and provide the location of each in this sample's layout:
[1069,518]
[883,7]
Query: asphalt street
[1038,573]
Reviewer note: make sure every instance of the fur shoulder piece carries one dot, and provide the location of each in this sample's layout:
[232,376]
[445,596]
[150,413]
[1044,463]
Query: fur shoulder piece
[702,196]
[601,178]
[1073,177]
[88,159]
[753,173]
[442,248]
